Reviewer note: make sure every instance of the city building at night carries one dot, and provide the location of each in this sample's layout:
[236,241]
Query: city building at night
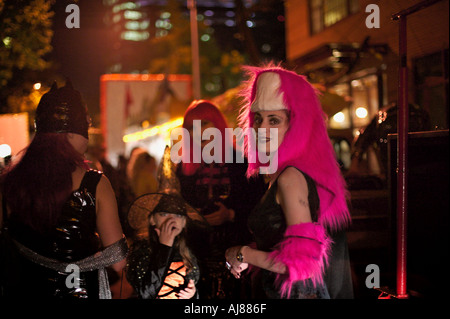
[133,23]
[332,43]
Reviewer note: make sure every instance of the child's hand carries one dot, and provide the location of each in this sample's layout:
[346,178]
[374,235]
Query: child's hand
[168,231]
[188,292]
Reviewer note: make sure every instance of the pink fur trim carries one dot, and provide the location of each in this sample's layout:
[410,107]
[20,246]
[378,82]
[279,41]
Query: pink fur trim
[304,251]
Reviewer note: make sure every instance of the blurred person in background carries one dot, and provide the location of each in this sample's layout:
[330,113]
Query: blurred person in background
[221,192]
[141,172]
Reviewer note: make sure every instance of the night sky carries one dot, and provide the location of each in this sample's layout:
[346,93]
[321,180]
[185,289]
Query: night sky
[79,54]
[82,54]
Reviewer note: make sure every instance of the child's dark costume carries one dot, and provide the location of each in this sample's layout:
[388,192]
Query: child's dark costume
[157,271]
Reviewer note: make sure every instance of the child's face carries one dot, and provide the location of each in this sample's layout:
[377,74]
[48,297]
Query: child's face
[158,219]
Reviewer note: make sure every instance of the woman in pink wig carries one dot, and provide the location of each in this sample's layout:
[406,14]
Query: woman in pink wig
[306,202]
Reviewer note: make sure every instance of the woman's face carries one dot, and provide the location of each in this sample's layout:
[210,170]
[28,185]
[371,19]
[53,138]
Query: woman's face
[263,122]
[205,124]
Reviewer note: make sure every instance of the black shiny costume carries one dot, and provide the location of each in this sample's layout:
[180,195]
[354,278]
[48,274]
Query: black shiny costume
[268,224]
[72,239]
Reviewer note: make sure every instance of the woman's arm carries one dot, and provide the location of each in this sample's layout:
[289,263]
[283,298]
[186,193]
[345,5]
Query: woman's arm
[292,195]
[261,259]
[108,222]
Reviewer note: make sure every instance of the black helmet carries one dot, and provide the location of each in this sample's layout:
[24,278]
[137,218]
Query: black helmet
[62,110]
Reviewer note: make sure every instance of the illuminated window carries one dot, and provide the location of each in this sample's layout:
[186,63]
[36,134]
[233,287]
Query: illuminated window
[165,15]
[144,24]
[132,15]
[132,25]
[161,33]
[325,13]
[205,37]
[163,24]
[134,35]
[230,23]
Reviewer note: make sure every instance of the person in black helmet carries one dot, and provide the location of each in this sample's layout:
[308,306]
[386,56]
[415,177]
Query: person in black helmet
[57,214]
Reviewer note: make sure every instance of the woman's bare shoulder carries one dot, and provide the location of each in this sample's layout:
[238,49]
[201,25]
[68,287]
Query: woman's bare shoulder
[291,177]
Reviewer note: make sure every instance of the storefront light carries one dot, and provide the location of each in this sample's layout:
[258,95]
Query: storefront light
[361,112]
[5,150]
[339,117]
[356,83]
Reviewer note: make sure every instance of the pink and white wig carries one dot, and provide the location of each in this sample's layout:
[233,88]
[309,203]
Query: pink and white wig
[306,144]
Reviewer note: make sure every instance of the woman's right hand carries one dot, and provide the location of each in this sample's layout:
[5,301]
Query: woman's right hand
[237,269]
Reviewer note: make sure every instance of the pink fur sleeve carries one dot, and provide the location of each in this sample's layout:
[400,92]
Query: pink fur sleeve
[304,251]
